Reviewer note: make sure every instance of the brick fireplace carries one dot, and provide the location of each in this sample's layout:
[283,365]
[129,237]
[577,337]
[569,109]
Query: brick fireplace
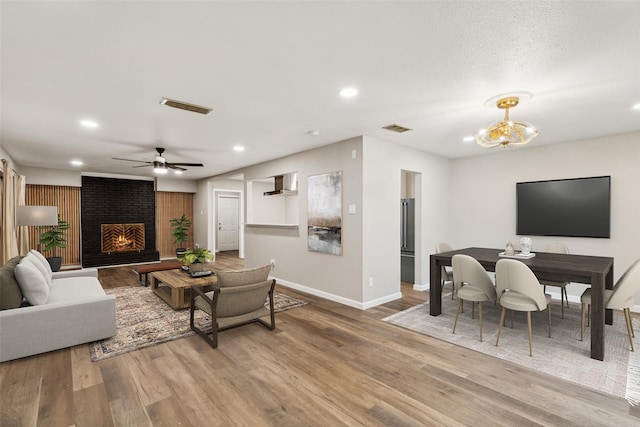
[118,219]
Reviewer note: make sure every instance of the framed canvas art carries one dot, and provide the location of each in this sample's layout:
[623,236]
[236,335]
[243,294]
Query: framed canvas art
[324,213]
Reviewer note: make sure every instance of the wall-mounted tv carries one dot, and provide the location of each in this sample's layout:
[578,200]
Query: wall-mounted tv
[579,207]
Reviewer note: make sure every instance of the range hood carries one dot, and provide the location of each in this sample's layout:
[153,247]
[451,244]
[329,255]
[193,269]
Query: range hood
[286,184]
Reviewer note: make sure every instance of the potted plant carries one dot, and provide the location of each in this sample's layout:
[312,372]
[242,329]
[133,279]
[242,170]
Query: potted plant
[194,258]
[180,232]
[53,237]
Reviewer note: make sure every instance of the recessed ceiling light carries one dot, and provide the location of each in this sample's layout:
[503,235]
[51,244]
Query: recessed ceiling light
[348,92]
[89,124]
[314,132]
[238,148]
[77,162]
[637,106]
[468,139]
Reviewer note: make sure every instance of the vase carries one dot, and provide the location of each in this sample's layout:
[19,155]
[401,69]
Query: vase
[525,245]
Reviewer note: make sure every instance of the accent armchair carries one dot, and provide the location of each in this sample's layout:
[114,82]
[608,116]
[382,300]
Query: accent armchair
[238,299]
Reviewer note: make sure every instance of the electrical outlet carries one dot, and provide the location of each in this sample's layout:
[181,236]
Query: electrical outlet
[371,282]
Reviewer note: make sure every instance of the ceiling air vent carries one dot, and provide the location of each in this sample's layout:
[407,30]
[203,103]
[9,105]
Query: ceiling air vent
[185,106]
[396,128]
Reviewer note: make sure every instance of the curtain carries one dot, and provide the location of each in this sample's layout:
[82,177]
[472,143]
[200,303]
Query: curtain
[14,241]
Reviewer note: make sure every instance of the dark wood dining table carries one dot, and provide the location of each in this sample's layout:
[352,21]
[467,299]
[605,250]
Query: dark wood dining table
[593,270]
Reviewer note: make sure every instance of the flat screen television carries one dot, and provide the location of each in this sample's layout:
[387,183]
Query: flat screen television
[579,207]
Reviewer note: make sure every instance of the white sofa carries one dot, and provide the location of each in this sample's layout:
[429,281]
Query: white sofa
[76,311]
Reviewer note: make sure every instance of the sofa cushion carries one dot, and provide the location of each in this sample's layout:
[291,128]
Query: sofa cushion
[32,283]
[10,293]
[43,261]
[37,264]
[243,277]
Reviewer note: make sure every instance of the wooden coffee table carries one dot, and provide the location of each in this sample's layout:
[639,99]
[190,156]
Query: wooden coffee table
[174,286]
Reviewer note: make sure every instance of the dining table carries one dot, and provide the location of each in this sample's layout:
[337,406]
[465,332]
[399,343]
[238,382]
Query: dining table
[596,271]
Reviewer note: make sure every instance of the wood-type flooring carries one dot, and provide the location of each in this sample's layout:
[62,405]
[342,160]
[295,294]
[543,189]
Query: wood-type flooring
[326,364]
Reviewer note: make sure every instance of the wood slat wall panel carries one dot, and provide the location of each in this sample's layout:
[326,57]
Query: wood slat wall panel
[67,199]
[171,205]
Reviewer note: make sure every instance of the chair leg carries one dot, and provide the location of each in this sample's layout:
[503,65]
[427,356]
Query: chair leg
[582,321]
[588,314]
[473,309]
[566,296]
[504,310]
[562,302]
[480,316]
[549,319]
[457,314]
[511,319]
[529,327]
[627,317]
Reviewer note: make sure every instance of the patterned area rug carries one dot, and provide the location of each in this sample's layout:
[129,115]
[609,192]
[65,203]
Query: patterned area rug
[563,355]
[144,320]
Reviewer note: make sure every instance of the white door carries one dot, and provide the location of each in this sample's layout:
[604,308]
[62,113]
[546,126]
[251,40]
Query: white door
[228,209]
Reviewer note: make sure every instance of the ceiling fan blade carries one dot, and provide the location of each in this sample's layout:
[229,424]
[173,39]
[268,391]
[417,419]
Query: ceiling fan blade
[173,166]
[186,164]
[142,166]
[129,160]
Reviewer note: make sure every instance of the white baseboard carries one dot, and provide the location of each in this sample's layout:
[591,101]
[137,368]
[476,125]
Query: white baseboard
[337,298]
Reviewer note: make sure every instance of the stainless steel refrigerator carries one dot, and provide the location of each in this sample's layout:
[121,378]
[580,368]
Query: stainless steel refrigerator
[407,242]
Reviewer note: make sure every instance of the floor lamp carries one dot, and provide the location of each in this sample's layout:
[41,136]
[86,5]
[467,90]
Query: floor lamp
[36,216]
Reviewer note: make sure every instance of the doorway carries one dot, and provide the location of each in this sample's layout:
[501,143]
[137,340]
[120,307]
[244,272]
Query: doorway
[410,228]
[228,214]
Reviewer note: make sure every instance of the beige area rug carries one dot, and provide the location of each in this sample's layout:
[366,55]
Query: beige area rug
[144,320]
[563,355]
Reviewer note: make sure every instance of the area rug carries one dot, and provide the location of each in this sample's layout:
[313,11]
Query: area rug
[144,320]
[563,355]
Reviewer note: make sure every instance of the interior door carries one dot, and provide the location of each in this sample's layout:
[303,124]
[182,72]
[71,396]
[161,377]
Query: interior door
[228,210]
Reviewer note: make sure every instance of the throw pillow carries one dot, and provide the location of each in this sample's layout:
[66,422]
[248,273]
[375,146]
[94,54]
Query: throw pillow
[32,284]
[43,260]
[10,294]
[243,277]
[37,264]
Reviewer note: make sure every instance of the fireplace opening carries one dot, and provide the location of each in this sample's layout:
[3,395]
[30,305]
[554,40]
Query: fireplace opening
[122,238]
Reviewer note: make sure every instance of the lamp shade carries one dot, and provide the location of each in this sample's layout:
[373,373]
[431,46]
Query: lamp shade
[37,215]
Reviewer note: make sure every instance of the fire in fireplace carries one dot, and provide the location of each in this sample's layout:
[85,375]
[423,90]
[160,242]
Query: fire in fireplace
[122,237]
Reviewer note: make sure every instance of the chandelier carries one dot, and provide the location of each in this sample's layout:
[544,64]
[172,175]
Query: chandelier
[507,132]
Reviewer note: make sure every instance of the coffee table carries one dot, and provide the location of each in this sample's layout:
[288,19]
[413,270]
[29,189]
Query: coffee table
[174,286]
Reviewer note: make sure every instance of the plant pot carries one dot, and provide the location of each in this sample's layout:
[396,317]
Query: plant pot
[55,263]
[196,266]
[180,251]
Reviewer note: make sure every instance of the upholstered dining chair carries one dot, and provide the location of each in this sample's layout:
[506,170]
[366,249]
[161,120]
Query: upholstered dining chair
[518,289]
[621,297]
[478,286]
[237,299]
[447,272]
[557,248]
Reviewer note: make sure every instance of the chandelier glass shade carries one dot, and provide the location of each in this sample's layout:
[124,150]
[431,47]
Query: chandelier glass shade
[506,132]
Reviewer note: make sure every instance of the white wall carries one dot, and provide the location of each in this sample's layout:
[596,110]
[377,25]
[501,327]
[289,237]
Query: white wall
[176,185]
[384,164]
[42,176]
[483,190]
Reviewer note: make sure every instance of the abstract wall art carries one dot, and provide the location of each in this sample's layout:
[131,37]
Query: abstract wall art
[324,213]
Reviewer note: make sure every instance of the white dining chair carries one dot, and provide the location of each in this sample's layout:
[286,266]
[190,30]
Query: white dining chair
[621,297]
[478,286]
[557,248]
[518,289]
[446,273]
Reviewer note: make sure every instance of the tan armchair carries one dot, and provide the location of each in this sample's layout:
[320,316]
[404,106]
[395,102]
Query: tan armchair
[238,299]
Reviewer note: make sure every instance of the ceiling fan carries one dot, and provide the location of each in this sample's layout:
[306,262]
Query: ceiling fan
[160,165]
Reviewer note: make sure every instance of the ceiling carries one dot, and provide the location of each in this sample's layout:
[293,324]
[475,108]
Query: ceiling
[271,72]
